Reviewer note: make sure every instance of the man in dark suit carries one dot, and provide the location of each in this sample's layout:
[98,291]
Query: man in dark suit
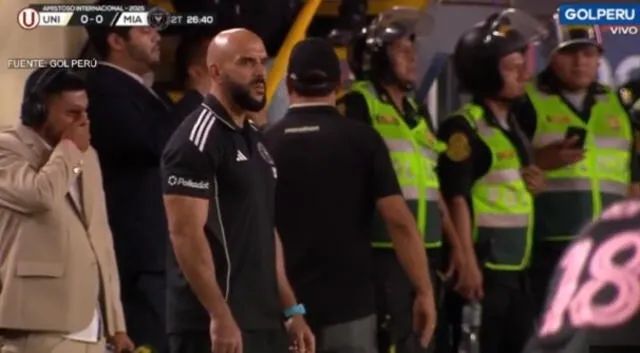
[130,124]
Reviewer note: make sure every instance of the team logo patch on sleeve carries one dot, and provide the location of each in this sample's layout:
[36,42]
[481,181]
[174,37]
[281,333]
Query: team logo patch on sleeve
[458,148]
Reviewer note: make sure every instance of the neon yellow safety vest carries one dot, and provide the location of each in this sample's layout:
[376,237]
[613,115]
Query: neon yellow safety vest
[577,194]
[414,153]
[502,205]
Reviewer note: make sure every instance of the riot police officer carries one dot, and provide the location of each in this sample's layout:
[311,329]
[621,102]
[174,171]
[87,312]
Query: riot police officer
[487,174]
[588,171]
[383,58]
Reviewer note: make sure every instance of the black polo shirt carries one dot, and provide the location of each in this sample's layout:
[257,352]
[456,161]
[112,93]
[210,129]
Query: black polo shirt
[210,157]
[547,82]
[611,243]
[331,173]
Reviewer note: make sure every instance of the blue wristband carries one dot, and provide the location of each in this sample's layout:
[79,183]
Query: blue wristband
[296,309]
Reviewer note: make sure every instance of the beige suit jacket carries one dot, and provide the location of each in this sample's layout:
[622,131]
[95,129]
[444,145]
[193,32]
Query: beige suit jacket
[55,258]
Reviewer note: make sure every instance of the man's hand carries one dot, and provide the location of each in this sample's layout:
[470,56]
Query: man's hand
[122,343]
[471,286]
[78,133]
[225,334]
[534,178]
[424,317]
[559,154]
[469,276]
[301,335]
[457,264]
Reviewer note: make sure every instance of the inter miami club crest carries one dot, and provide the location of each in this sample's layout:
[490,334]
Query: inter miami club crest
[158,18]
[265,154]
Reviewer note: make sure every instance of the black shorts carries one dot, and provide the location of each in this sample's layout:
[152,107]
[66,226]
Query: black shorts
[266,341]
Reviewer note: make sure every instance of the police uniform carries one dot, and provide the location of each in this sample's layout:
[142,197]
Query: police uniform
[612,240]
[575,195]
[409,136]
[482,166]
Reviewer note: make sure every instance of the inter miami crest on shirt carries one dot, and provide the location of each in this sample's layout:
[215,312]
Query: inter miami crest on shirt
[264,153]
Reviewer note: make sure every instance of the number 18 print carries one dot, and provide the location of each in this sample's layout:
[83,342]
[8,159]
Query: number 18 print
[587,271]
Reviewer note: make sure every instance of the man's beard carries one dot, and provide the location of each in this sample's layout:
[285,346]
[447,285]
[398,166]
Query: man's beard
[142,57]
[241,94]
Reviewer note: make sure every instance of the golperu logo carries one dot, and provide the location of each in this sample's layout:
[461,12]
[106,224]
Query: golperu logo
[188,183]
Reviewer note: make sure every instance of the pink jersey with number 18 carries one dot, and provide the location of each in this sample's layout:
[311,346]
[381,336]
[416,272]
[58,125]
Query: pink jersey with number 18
[593,304]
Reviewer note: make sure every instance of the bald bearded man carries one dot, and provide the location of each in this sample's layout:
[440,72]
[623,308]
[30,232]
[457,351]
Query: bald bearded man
[227,288]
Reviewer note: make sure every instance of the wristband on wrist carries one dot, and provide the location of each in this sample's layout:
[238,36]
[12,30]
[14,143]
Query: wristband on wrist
[294,310]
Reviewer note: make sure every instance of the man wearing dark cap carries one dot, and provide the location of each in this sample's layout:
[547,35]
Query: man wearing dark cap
[130,124]
[60,287]
[333,174]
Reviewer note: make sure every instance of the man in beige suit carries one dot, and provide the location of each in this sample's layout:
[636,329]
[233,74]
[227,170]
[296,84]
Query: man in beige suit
[59,286]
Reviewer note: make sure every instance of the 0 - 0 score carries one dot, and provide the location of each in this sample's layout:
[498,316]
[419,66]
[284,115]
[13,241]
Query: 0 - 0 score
[97,19]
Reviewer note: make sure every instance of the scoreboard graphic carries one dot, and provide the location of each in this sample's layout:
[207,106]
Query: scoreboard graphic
[36,16]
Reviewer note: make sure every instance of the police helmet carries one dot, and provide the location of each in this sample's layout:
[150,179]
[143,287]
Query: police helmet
[478,52]
[367,53]
[356,56]
[563,36]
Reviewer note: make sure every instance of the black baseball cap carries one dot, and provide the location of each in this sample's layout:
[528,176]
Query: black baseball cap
[314,63]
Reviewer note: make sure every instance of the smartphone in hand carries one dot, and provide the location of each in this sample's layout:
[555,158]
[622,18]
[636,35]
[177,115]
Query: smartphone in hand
[579,133]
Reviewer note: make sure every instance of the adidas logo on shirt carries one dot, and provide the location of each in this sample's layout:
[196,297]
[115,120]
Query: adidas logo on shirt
[240,157]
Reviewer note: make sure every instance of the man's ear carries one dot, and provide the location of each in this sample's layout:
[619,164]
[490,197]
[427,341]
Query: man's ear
[115,42]
[214,72]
